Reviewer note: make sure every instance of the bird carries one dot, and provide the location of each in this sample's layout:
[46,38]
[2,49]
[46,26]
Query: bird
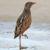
[24,21]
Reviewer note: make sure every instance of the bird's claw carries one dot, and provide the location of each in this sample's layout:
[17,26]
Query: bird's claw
[25,36]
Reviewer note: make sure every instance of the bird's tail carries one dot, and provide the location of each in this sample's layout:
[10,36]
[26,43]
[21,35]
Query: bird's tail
[16,36]
[15,33]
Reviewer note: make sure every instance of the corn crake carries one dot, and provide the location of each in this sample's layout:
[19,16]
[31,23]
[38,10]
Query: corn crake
[23,22]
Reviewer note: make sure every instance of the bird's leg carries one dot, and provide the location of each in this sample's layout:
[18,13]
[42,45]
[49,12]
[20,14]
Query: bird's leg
[25,35]
[19,42]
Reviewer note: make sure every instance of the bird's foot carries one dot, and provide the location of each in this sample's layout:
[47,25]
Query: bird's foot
[25,36]
[23,47]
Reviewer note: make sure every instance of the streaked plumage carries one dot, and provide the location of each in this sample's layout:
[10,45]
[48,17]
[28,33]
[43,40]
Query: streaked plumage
[24,20]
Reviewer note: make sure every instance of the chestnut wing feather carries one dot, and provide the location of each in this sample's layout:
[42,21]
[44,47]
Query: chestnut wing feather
[23,24]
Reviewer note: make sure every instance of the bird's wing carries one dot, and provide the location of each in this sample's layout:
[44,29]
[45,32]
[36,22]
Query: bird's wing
[22,24]
[18,25]
[20,19]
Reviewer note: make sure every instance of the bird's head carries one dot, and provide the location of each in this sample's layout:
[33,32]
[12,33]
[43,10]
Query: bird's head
[29,4]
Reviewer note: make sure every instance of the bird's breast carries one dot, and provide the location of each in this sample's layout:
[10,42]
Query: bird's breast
[26,23]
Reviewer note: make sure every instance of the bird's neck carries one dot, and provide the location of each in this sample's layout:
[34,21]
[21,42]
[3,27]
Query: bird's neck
[27,11]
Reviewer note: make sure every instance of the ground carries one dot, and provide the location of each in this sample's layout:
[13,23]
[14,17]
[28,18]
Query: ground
[39,39]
